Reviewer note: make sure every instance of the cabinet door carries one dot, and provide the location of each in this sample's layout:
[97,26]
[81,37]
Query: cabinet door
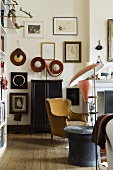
[38,118]
[40,90]
[54,89]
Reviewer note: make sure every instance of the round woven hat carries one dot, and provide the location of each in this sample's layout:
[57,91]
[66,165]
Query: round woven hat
[39,68]
[18,57]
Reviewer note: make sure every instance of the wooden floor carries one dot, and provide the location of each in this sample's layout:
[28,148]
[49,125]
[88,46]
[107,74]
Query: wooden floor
[36,152]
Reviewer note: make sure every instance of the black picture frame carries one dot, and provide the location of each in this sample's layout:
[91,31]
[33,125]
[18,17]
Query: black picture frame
[19,103]
[72,51]
[19,80]
[73,95]
[65,26]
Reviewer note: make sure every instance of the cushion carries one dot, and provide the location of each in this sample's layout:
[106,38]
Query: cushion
[75,123]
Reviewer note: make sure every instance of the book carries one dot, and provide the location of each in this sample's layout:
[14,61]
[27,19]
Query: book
[2,48]
[2,137]
[2,18]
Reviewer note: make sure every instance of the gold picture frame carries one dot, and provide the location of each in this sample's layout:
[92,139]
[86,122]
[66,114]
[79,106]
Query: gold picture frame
[110,40]
[48,50]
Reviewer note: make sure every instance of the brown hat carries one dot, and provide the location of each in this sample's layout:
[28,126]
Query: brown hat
[18,57]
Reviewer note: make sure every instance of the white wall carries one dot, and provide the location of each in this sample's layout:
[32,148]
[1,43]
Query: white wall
[45,10]
[100,12]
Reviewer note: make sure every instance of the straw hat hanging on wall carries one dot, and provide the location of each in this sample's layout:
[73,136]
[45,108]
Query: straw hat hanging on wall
[18,57]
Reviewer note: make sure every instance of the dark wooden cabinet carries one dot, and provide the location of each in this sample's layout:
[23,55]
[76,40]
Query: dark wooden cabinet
[40,90]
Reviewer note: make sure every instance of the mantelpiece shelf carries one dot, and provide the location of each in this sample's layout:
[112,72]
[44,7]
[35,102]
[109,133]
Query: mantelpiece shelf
[101,87]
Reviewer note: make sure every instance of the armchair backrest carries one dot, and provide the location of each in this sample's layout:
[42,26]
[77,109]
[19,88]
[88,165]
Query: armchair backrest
[59,106]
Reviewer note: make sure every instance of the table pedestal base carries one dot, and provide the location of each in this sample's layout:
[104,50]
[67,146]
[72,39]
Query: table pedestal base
[81,148]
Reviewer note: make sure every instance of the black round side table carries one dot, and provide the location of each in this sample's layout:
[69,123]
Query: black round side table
[81,148]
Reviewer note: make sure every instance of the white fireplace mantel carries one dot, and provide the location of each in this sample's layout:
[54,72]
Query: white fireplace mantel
[102,85]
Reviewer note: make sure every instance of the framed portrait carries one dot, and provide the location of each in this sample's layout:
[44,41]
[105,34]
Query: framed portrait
[73,95]
[72,51]
[34,29]
[19,80]
[19,103]
[65,26]
[48,50]
[110,40]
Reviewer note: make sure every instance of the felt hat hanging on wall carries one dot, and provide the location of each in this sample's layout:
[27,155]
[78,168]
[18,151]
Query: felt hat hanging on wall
[18,57]
[49,68]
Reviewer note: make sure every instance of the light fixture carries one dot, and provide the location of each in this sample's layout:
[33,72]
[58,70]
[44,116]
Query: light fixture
[99,46]
[83,74]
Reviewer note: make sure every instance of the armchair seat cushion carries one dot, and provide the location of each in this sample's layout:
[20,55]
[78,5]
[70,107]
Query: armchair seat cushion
[76,123]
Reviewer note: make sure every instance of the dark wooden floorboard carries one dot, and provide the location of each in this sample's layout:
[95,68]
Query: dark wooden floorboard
[37,152]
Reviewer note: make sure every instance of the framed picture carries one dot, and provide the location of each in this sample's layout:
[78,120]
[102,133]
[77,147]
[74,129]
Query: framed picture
[19,103]
[72,51]
[65,26]
[73,95]
[110,39]
[34,29]
[19,80]
[48,50]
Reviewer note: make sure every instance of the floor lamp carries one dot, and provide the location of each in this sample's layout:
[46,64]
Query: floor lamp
[84,74]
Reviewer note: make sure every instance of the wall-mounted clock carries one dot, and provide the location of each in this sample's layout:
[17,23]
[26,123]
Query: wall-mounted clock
[18,80]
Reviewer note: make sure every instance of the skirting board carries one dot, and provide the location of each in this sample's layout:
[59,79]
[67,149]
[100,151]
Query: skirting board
[18,128]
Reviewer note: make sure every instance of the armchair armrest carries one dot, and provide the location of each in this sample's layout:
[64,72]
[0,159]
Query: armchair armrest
[59,116]
[78,116]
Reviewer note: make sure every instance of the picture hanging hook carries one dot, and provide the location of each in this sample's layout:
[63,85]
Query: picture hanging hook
[18,44]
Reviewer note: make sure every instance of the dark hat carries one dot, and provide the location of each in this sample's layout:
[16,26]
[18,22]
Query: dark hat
[18,57]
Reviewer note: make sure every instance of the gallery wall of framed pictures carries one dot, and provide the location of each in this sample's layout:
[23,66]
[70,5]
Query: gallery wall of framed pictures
[71,50]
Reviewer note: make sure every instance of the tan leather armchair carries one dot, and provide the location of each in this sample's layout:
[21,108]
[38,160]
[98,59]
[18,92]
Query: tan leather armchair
[60,115]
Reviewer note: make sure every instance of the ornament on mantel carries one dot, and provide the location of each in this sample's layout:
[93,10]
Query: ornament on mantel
[99,60]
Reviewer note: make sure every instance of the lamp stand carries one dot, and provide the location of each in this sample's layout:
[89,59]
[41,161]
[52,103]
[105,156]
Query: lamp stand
[95,101]
[83,74]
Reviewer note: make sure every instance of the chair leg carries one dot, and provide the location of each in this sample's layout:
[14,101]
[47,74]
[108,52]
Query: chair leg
[51,137]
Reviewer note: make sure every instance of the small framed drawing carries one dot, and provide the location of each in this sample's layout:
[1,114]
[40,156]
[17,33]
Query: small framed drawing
[19,103]
[18,80]
[34,29]
[72,51]
[65,26]
[73,95]
[48,50]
